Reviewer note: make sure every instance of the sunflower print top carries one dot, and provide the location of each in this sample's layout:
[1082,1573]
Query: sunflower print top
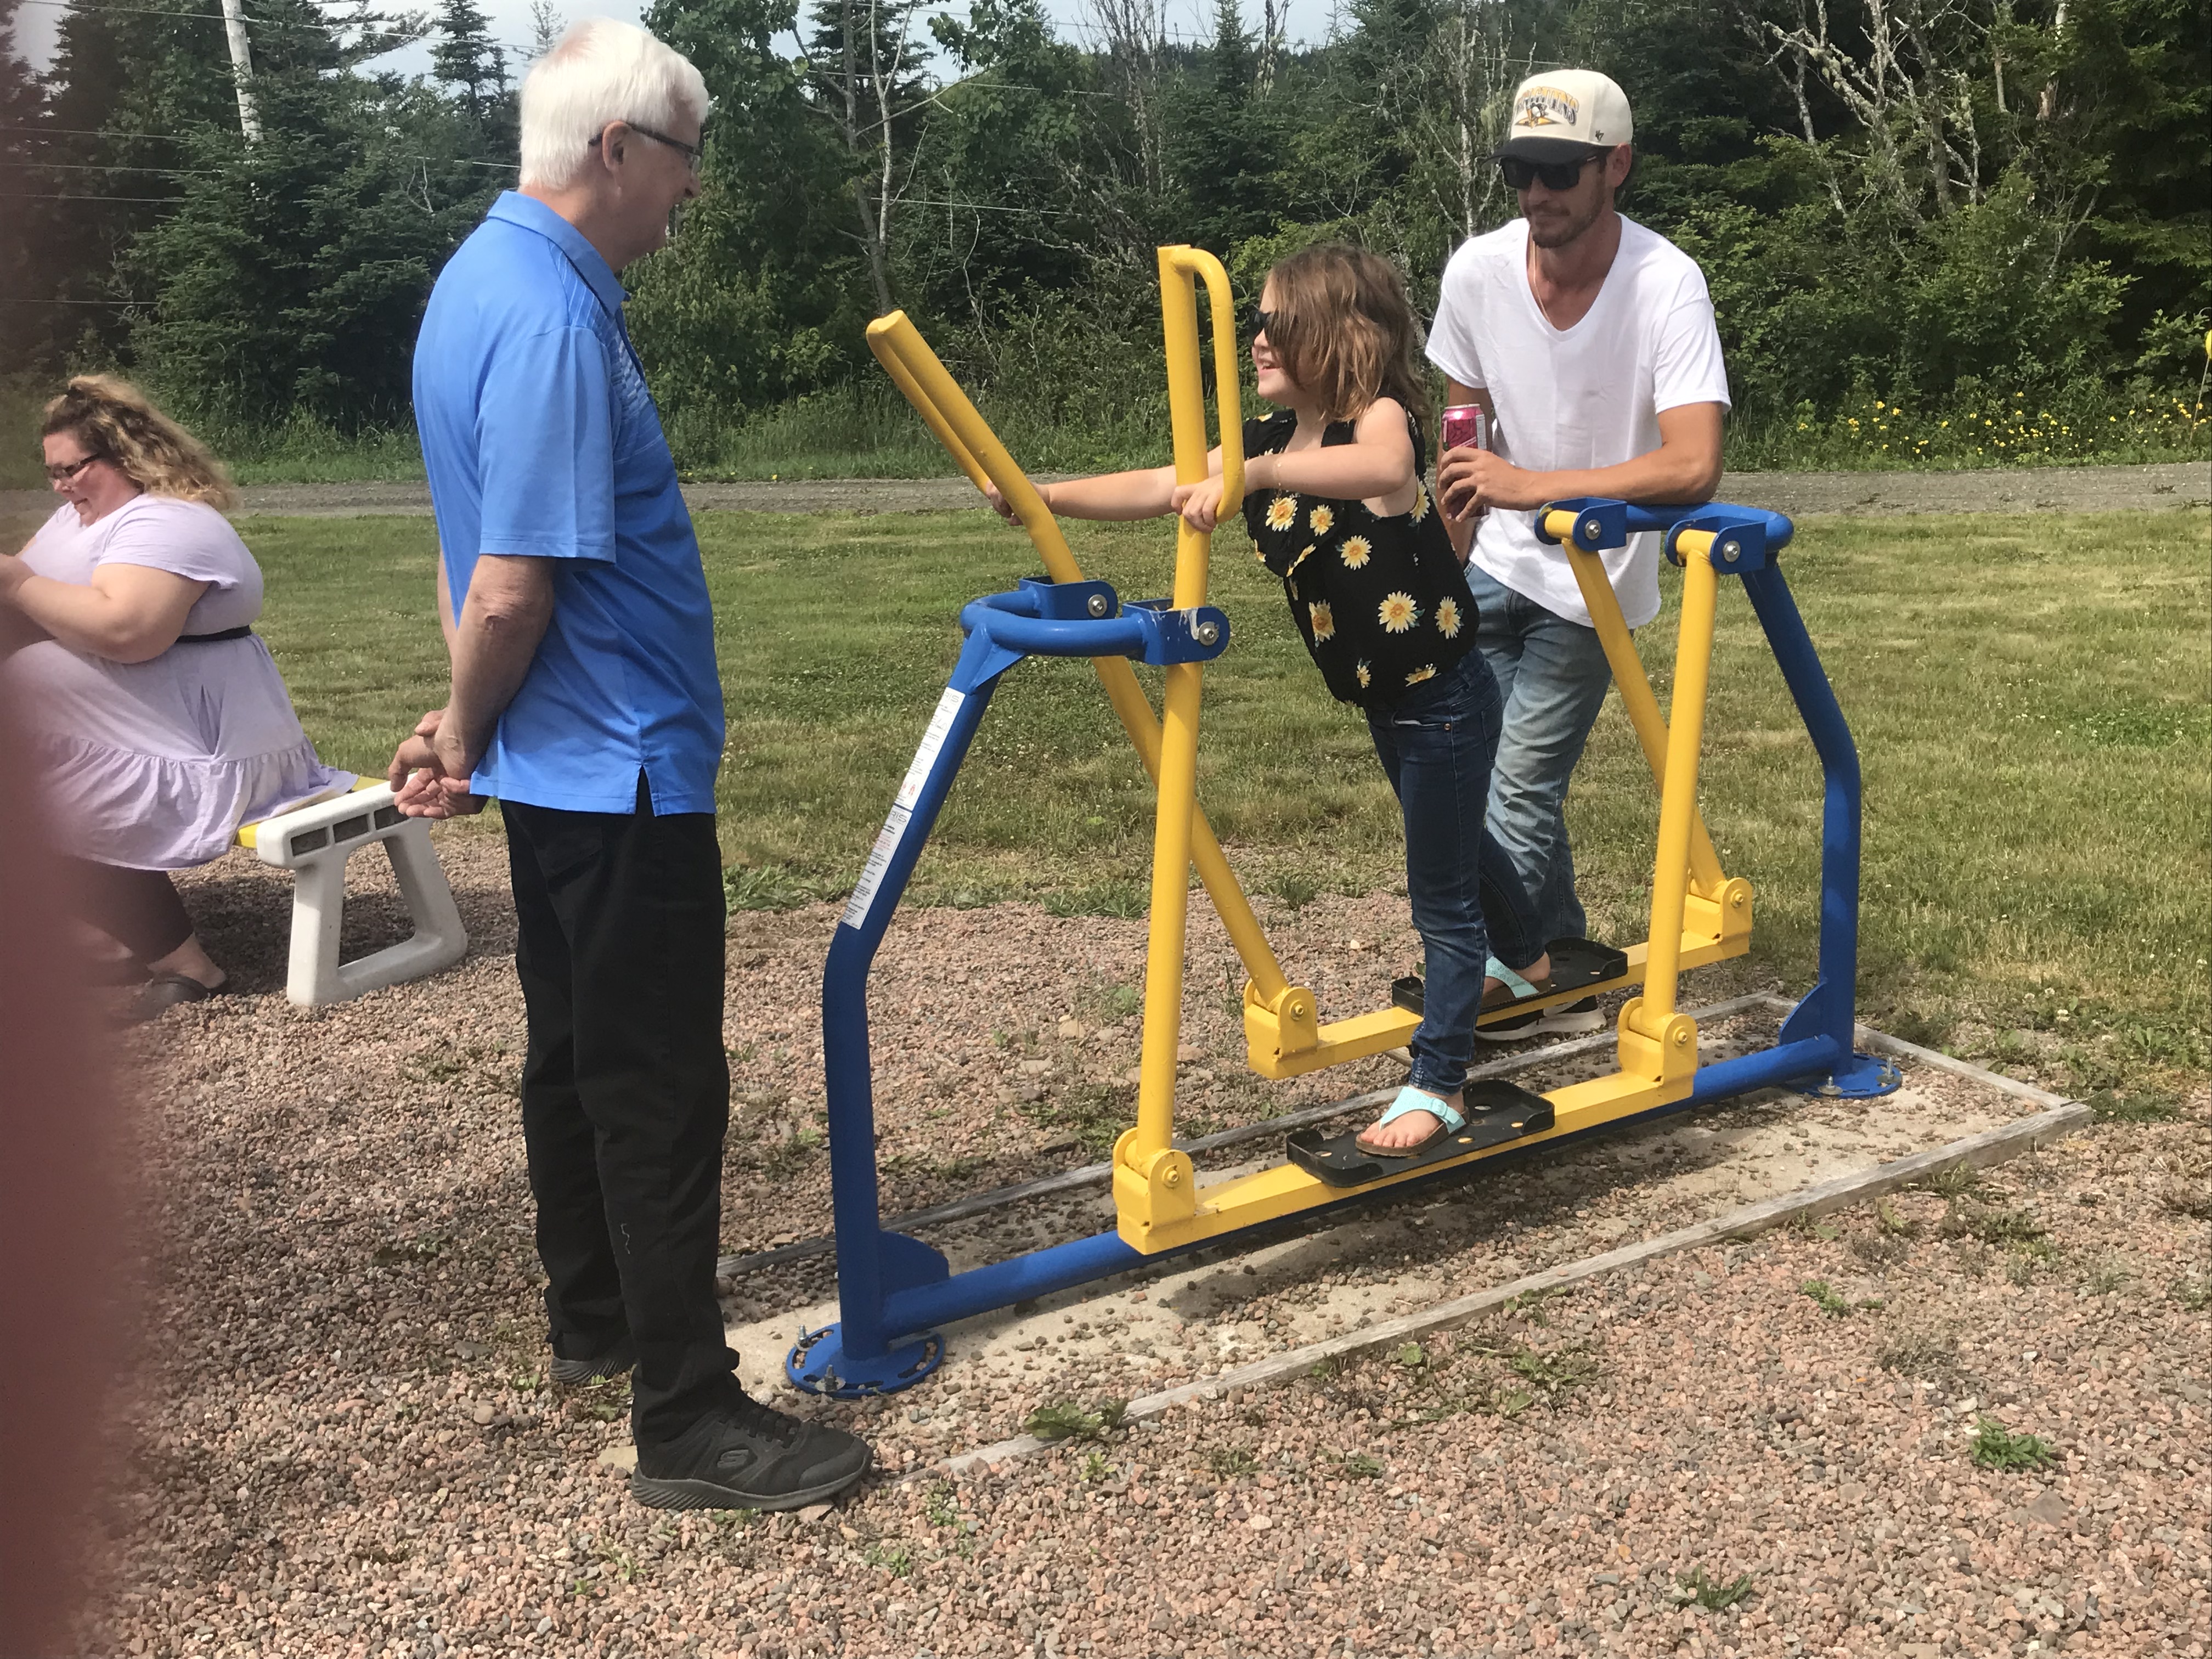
[1382,602]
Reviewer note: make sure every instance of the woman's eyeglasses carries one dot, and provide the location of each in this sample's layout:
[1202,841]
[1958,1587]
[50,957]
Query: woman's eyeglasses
[1520,172]
[690,152]
[1258,322]
[66,474]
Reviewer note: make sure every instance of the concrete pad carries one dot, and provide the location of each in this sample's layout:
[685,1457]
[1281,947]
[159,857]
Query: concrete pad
[1189,1319]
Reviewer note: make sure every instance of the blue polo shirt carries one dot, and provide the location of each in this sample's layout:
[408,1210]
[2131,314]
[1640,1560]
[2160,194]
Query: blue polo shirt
[540,438]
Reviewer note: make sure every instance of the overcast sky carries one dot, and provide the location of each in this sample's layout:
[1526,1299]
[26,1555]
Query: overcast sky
[1309,20]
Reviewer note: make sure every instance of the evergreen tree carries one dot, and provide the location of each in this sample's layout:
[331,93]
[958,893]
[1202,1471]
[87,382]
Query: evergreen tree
[290,275]
[466,55]
[547,26]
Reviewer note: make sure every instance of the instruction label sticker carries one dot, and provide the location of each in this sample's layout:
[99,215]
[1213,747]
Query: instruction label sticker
[901,813]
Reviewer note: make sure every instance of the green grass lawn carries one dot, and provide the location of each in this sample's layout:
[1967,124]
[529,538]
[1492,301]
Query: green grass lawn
[2029,696]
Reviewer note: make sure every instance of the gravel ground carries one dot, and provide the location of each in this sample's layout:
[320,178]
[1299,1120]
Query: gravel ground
[1997,490]
[338,1442]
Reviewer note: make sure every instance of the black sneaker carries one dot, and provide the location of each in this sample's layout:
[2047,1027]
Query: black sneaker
[747,1456]
[577,1373]
[1562,1019]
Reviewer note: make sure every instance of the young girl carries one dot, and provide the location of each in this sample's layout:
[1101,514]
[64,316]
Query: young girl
[1334,500]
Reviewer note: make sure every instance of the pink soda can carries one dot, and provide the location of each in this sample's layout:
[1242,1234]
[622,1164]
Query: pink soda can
[1466,427]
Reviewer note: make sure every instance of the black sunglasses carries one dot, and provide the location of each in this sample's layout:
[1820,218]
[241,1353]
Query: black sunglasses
[1520,172]
[1258,322]
[690,152]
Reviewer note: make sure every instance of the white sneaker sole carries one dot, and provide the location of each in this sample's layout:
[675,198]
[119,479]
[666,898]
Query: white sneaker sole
[1545,1025]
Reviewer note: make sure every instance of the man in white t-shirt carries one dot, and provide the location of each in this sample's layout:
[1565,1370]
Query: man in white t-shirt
[1590,341]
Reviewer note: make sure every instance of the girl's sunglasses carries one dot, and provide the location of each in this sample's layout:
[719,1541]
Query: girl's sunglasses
[1520,173]
[1258,322]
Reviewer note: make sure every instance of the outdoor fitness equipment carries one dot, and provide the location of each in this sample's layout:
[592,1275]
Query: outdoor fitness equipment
[895,1291]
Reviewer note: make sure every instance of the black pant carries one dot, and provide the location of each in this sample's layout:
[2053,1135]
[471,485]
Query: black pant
[626,1090]
[139,908]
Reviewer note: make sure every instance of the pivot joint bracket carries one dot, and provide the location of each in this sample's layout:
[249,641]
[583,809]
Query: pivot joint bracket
[1599,523]
[1197,634]
[1735,544]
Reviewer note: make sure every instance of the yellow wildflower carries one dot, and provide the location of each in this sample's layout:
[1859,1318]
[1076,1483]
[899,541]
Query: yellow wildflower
[1324,620]
[1427,671]
[1365,675]
[1320,519]
[1448,618]
[1355,552]
[1282,511]
[1398,612]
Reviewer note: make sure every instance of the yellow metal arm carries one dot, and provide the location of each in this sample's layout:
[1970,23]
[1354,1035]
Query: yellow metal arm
[911,364]
[1643,708]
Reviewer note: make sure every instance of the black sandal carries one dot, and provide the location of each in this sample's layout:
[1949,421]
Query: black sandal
[164,992]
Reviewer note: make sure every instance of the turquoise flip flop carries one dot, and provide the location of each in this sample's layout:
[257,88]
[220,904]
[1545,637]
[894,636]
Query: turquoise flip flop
[1411,1099]
[1522,990]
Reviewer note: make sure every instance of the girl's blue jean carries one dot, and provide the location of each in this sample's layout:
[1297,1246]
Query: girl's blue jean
[1437,746]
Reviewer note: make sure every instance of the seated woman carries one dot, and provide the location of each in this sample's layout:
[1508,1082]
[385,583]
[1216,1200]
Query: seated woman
[159,720]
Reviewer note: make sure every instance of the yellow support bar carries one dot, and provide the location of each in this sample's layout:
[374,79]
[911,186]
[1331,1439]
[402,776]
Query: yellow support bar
[1678,800]
[1636,696]
[905,356]
[1643,708]
[1144,1158]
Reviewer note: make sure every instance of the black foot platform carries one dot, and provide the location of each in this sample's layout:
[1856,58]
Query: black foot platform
[1497,1112]
[1580,968]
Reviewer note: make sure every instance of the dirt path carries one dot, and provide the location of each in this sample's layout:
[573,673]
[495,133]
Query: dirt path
[2062,489]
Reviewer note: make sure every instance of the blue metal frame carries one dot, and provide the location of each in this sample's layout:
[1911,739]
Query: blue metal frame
[894,1291]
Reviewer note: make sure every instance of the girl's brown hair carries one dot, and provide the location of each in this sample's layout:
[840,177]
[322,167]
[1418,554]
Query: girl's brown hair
[1344,331]
[116,422]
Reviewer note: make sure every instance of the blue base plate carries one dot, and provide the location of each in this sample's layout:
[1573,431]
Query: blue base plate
[1863,1076]
[818,1364]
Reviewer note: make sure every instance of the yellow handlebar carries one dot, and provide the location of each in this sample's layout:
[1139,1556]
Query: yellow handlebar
[1197,263]
[1559,524]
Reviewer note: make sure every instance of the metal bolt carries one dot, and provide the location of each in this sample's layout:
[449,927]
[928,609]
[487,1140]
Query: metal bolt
[1592,530]
[1172,1177]
[1731,551]
[1097,604]
[1206,633]
[1682,1038]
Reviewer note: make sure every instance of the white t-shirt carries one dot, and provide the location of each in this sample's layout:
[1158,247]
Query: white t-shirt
[1568,400]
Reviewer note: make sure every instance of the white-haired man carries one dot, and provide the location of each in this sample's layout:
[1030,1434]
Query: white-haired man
[1591,341]
[586,700]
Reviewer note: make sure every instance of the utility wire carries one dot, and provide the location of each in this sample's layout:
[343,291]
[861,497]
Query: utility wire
[159,11]
[178,138]
[87,132]
[103,166]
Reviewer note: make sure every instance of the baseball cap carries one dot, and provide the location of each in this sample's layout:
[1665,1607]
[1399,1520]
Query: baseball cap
[1564,115]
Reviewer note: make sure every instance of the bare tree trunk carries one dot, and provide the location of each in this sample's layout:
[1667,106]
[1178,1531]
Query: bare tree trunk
[879,268]
[241,69]
[1897,73]
[1273,21]
[1133,34]
[2046,106]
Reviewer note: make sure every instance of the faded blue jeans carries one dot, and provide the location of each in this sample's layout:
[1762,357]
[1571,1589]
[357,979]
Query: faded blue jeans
[1437,747]
[1552,676]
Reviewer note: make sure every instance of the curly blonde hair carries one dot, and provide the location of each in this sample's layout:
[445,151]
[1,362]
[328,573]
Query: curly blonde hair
[116,422]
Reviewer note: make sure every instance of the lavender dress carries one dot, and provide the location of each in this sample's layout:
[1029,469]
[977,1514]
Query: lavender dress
[154,765]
